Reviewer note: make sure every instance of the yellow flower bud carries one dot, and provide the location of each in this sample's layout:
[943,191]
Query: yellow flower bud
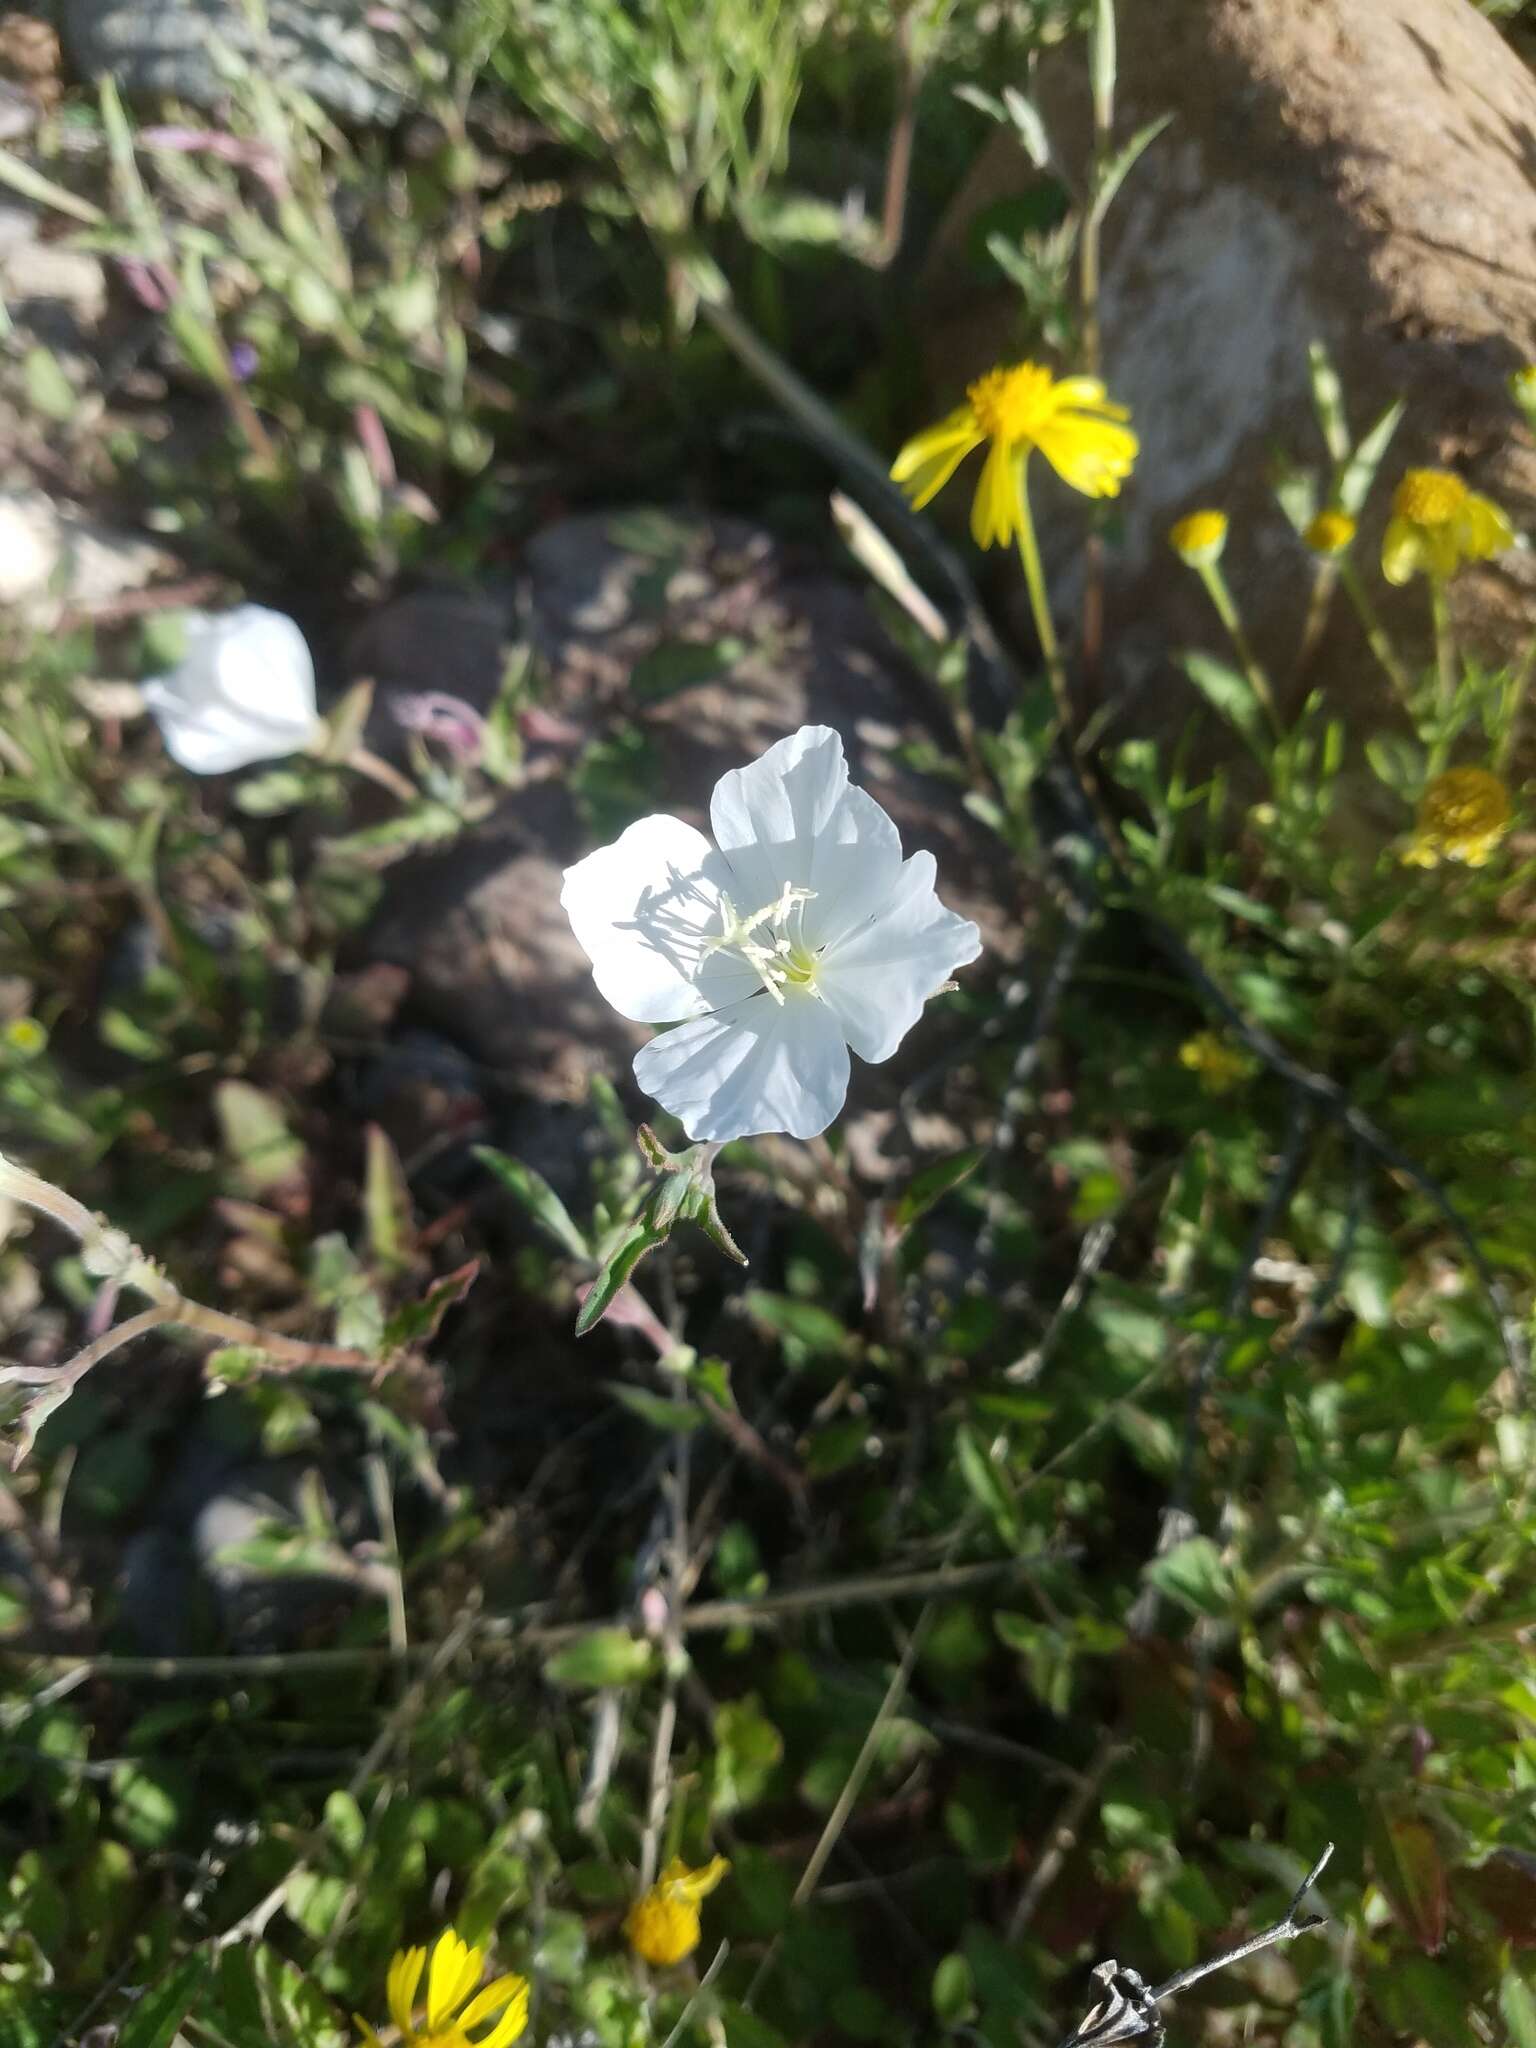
[1330,533]
[1220,1065]
[663,1924]
[1199,537]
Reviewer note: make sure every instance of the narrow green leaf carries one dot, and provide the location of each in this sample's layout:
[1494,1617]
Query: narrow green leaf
[1359,471]
[154,2021]
[615,1272]
[678,1418]
[1226,690]
[537,1197]
[1517,2006]
[1123,162]
[931,1184]
[1328,401]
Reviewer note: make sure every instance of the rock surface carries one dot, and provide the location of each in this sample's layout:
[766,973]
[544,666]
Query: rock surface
[1358,173]
[688,646]
[347,53]
[53,559]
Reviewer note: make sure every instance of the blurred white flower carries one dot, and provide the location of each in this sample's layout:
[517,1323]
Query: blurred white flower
[805,933]
[243,691]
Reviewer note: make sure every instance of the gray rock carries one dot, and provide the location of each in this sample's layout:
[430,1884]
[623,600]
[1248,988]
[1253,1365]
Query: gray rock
[697,642]
[56,293]
[1355,173]
[53,559]
[343,51]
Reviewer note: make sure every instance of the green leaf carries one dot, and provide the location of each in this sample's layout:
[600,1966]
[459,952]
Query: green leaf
[932,1184]
[614,1273]
[345,1823]
[681,665]
[1226,690]
[1122,163]
[386,1203]
[1193,1574]
[536,1195]
[954,2000]
[676,1417]
[262,1150]
[607,1656]
[1517,2007]
[1360,471]
[1328,401]
[154,2021]
[417,1322]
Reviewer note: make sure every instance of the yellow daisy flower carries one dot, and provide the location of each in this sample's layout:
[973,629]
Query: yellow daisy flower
[1199,537]
[663,1924]
[454,2005]
[1070,420]
[1221,1065]
[1437,524]
[1330,533]
[1463,814]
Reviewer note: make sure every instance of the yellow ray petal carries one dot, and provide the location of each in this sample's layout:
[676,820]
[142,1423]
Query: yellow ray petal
[1485,530]
[1402,557]
[995,508]
[928,461]
[454,1974]
[1093,456]
[401,1985]
[508,1990]
[513,2022]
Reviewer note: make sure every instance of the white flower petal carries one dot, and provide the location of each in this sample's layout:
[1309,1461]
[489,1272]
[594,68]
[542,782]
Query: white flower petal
[643,910]
[791,816]
[244,691]
[756,1067]
[877,979]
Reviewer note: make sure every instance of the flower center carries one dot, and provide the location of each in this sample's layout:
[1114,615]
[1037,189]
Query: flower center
[771,942]
[1430,497]
[1010,404]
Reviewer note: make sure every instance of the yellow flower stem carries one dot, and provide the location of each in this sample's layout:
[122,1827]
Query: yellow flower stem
[1376,635]
[1226,610]
[1040,607]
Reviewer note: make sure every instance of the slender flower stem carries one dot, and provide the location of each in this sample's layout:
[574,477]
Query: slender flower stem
[1445,644]
[1376,635]
[1040,607]
[1226,610]
[1514,697]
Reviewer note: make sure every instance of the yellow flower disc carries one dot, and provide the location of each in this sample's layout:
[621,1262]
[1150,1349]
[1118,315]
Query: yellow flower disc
[1462,816]
[1199,537]
[1330,533]
[1429,497]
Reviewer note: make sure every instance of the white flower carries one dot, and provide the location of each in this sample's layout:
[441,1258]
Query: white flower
[804,934]
[243,691]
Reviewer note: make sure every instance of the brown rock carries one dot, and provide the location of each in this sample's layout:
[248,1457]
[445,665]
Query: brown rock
[1356,171]
[695,643]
